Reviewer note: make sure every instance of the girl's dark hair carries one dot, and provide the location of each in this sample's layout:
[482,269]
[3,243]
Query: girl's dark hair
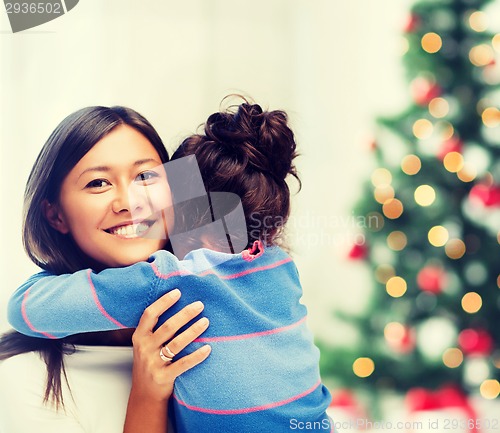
[249,152]
[45,246]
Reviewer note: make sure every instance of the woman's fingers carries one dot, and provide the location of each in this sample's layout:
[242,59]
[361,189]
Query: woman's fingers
[151,314]
[182,340]
[187,362]
[168,329]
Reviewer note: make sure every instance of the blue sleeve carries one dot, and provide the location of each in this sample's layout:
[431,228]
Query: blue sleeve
[55,306]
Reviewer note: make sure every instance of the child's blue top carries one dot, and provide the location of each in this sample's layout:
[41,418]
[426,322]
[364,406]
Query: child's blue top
[262,374]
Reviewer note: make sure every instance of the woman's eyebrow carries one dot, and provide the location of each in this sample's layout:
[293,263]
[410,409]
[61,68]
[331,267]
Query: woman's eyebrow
[107,168]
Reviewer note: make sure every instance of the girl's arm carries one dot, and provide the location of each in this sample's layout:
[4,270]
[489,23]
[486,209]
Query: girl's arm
[152,378]
[55,306]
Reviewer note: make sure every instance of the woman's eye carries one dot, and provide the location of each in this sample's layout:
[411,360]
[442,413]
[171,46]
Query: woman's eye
[146,176]
[97,183]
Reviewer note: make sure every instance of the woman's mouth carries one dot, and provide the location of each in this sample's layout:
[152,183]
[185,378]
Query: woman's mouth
[130,231]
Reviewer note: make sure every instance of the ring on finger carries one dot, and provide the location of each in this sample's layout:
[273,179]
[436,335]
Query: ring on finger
[166,354]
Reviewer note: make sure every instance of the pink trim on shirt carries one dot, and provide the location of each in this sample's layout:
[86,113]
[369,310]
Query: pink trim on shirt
[27,321]
[99,305]
[255,251]
[251,335]
[249,409]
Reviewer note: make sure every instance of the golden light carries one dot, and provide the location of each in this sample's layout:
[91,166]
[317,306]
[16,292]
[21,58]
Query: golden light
[490,389]
[446,130]
[363,367]
[383,193]
[455,249]
[425,195]
[381,176]
[468,173]
[472,302]
[392,208]
[422,129]
[431,42]
[481,55]
[383,273]
[396,240]
[453,161]
[411,164]
[498,281]
[396,287]
[496,42]
[438,236]
[491,117]
[453,357]
[439,107]
[394,332]
[478,21]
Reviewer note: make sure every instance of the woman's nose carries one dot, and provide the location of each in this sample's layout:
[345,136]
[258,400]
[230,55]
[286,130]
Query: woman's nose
[130,198]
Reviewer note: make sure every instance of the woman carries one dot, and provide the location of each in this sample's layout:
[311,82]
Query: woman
[81,384]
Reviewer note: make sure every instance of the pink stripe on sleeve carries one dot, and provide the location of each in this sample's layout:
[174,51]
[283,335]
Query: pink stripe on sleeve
[98,303]
[249,409]
[248,271]
[27,321]
[170,275]
[251,335]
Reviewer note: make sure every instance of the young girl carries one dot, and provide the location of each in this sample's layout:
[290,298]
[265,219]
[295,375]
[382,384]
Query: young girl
[262,374]
[99,379]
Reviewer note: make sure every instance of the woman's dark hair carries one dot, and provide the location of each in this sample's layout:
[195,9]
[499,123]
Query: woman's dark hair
[45,246]
[249,152]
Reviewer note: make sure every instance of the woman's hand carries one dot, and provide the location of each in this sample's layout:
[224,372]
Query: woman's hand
[153,378]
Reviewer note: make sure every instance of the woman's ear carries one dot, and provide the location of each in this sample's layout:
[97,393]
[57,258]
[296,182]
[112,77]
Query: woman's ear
[54,216]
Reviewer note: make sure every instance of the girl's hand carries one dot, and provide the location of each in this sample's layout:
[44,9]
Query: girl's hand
[152,377]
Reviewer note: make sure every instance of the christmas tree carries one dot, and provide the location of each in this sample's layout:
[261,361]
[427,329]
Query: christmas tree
[432,216]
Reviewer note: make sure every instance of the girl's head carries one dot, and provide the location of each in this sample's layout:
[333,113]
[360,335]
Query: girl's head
[248,152]
[77,208]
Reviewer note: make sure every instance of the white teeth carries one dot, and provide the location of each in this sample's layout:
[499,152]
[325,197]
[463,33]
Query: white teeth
[130,231]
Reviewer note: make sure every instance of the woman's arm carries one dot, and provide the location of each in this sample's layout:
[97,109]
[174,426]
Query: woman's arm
[153,378]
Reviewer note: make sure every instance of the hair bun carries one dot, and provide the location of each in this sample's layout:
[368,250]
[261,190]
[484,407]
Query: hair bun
[259,140]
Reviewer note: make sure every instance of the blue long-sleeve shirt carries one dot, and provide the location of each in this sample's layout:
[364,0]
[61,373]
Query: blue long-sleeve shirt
[262,374]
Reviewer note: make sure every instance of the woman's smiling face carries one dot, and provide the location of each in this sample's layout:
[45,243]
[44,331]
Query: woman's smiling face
[116,202]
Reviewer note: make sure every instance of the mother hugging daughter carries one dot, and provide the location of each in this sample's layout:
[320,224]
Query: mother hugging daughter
[98,213]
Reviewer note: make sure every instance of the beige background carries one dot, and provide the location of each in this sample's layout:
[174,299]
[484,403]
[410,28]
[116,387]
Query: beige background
[332,65]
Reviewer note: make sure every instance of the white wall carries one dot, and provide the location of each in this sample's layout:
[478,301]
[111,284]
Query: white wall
[333,65]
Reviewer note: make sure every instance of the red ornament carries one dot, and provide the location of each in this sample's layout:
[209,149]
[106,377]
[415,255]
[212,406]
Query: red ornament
[424,91]
[405,343]
[345,401]
[454,144]
[475,342]
[343,397]
[412,23]
[358,252]
[447,397]
[485,195]
[431,279]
